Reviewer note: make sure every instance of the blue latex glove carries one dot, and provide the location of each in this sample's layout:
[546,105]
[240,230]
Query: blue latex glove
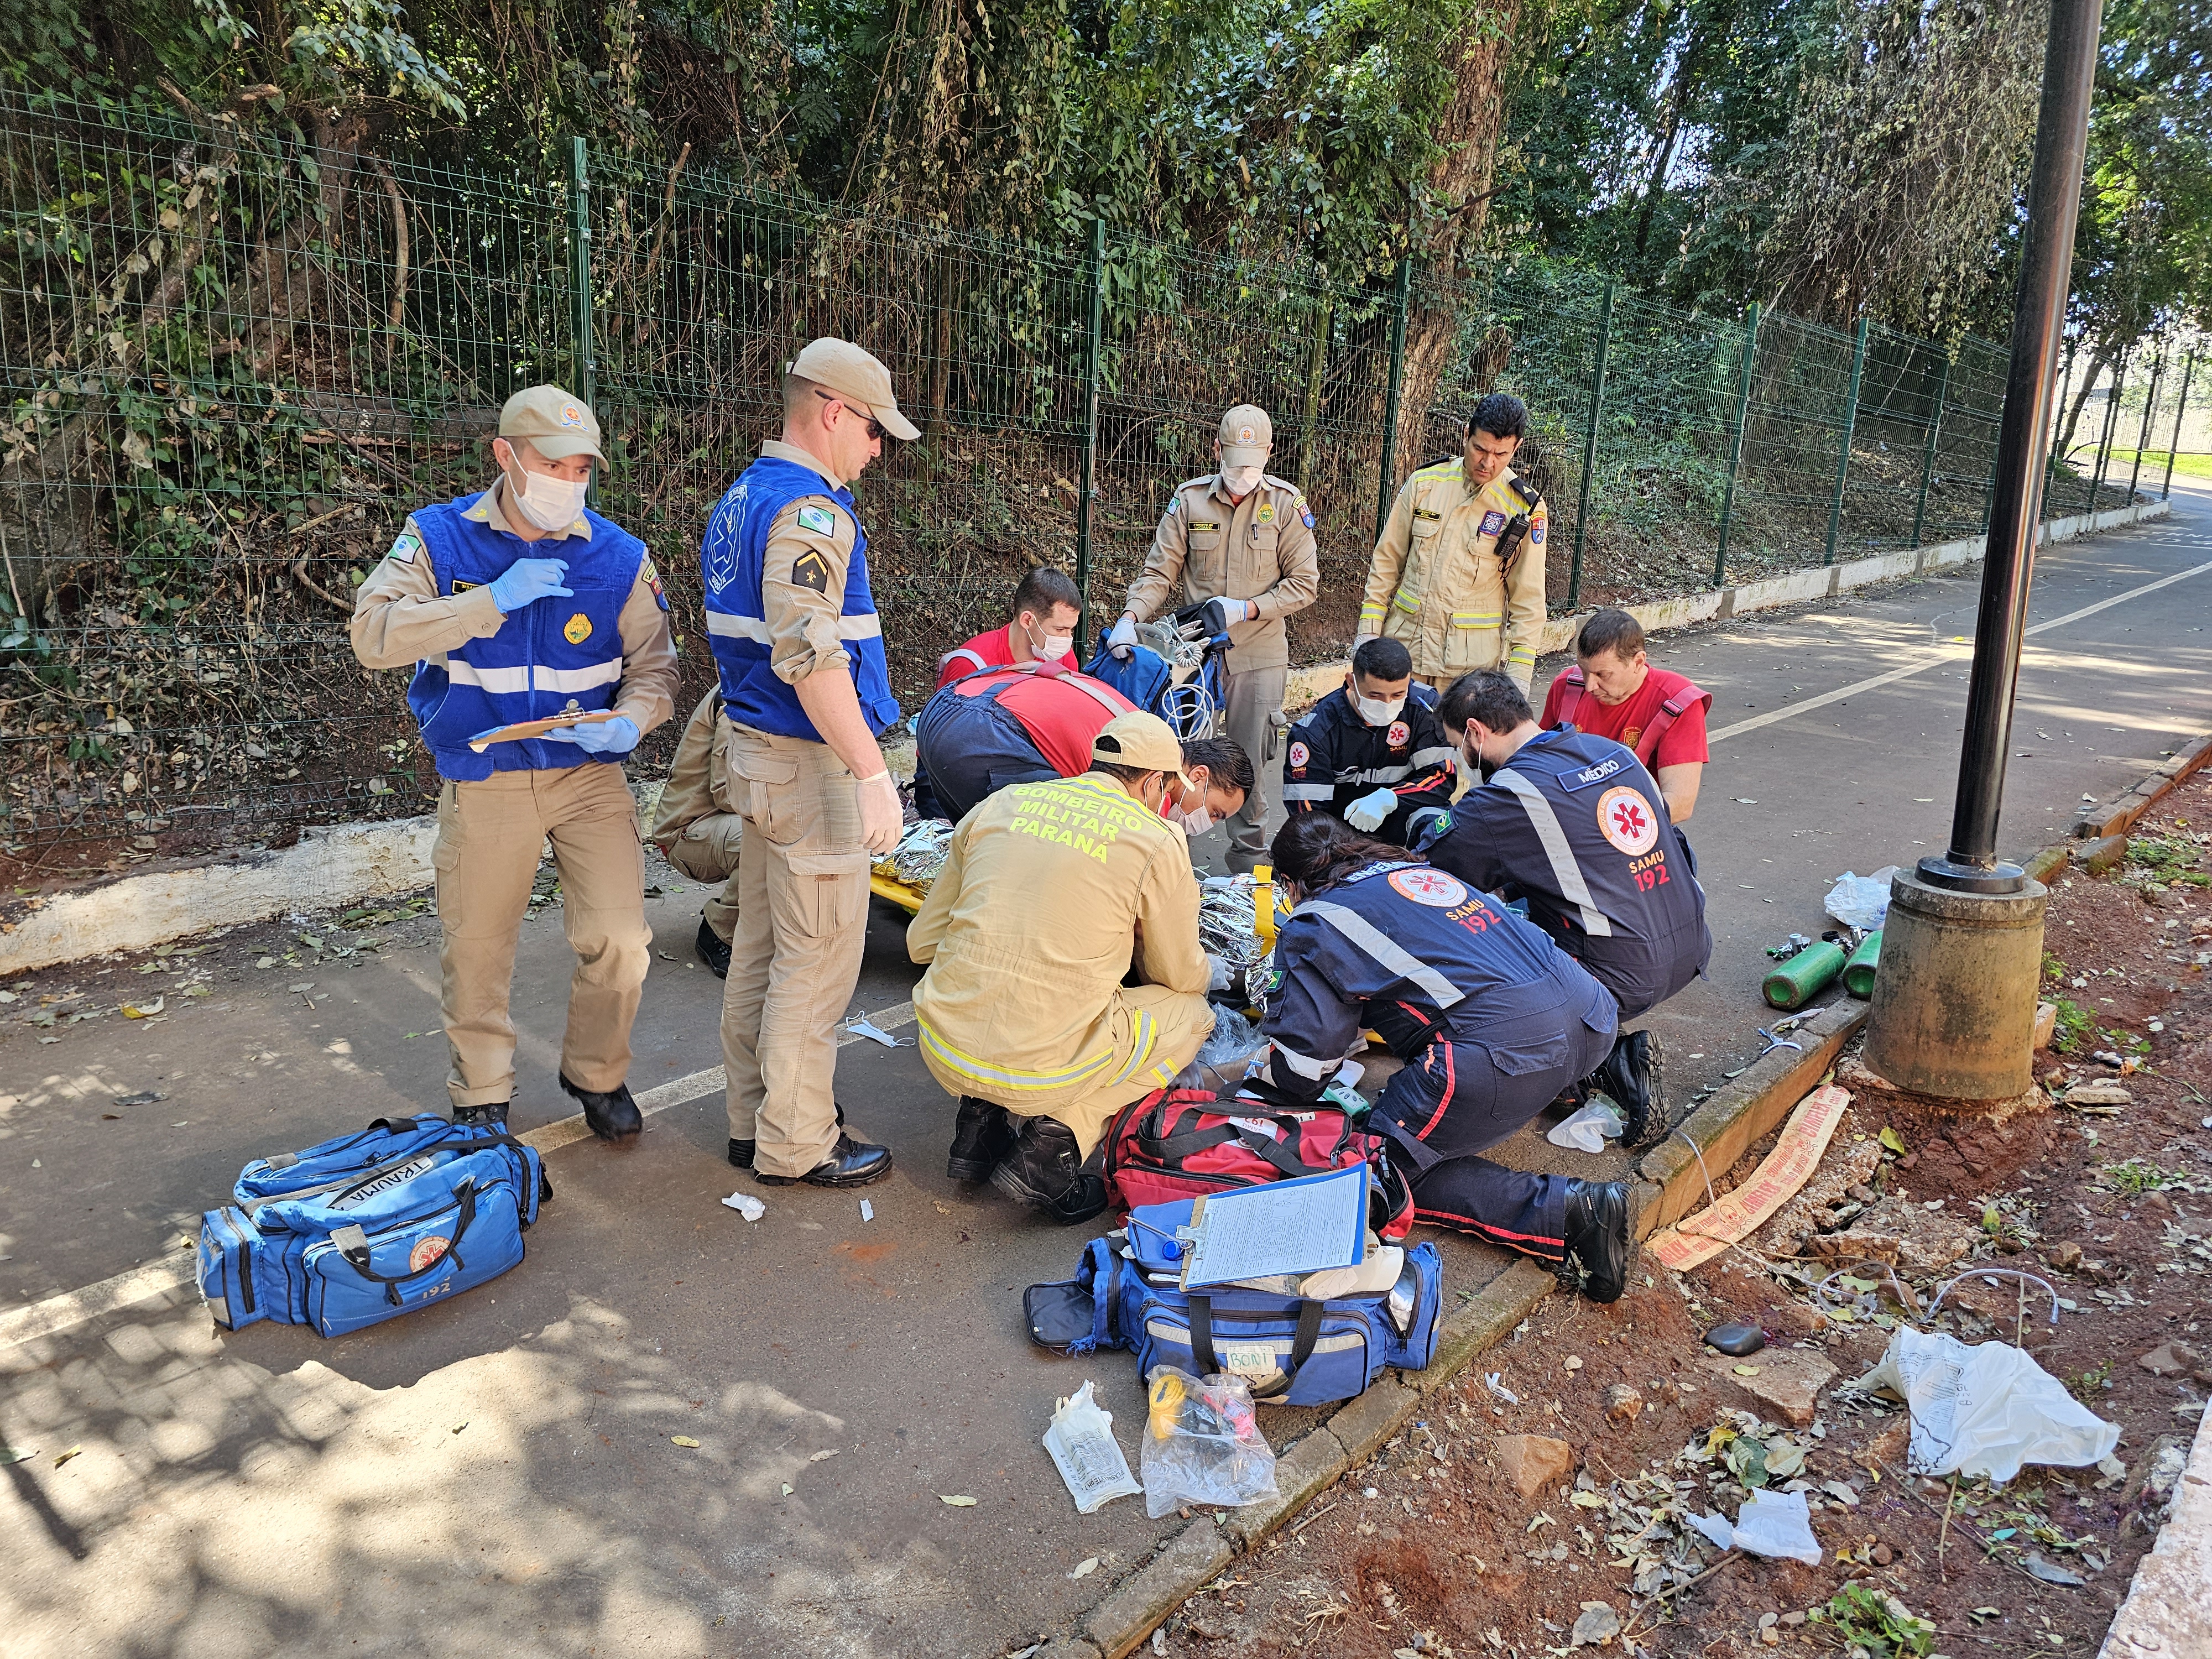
[527,579]
[1369,810]
[615,736]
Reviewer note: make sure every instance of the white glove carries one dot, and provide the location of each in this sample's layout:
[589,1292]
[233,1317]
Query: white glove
[1369,811]
[882,816]
[1123,639]
[1221,972]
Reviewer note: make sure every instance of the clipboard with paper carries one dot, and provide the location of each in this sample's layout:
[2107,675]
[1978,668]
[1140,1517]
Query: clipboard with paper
[522,729]
[1297,1226]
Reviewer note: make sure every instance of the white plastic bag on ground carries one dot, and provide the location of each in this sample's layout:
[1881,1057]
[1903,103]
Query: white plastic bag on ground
[1985,1409]
[1778,1524]
[1587,1130]
[1081,1442]
[1861,902]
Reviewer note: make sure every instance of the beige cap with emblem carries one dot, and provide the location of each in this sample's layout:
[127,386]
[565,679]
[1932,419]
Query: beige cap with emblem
[552,423]
[1142,741]
[1247,435]
[841,367]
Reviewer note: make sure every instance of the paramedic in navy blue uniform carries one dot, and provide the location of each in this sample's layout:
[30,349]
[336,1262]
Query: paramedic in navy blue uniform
[513,605]
[801,649]
[1490,1018]
[1575,825]
[1371,751]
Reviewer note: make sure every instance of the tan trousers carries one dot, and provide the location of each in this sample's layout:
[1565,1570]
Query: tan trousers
[1254,698]
[707,851]
[489,837]
[695,826]
[1157,1032]
[802,923]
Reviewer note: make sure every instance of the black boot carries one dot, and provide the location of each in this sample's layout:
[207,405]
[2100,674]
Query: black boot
[981,1135]
[851,1163]
[712,950]
[1598,1233]
[741,1151]
[611,1113]
[1630,1077]
[492,1116]
[1044,1170]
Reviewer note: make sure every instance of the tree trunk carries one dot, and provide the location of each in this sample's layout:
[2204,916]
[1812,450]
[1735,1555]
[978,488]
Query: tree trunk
[1470,130]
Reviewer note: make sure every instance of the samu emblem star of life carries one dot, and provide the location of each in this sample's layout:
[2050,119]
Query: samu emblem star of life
[1626,820]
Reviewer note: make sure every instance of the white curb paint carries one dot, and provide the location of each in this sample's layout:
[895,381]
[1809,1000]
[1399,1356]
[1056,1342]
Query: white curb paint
[350,863]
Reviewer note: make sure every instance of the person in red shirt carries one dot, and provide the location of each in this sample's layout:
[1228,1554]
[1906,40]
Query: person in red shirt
[1614,691]
[1048,609]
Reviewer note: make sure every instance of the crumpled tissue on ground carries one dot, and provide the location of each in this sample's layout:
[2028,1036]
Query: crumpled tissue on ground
[920,853]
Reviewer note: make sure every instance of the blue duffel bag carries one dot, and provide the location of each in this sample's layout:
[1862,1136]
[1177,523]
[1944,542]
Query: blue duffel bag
[364,1227]
[1291,1350]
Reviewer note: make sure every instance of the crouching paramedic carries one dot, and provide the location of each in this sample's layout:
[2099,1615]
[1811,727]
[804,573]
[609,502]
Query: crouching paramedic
[697,828]
[1048,891]
[516,605]
[1574,824]
[1371,751]
[1490,1018]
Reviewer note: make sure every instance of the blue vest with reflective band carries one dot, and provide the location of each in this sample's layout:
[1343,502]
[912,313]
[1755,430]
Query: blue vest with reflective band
[555,653]
[731,557]
[1578,825]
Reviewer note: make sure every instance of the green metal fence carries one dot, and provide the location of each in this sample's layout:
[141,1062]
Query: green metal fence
[232,362]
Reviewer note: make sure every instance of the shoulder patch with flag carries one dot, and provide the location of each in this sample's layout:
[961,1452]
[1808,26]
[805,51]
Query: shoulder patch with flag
[819,520]
[406,547]
[651,578]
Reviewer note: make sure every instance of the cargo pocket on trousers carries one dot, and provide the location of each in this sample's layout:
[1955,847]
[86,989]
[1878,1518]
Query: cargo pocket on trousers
[826,893]
[1535,1054]
[764,782]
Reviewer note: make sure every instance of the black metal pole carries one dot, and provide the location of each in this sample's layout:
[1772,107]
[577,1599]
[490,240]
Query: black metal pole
[2054,201]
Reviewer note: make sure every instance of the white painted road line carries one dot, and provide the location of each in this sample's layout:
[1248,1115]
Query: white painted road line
[1953,653]
[153,1278]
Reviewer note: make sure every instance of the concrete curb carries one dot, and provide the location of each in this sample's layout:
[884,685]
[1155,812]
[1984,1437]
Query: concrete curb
[2165,1612]
[2119,815]
[1724,1127]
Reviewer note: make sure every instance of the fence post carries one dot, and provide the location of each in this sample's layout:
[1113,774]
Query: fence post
[583,368]
[1589,444]
[1844,455]
[2180,414]
[1928,456]
[2104,442]
[1735,442]
[1086,496]
[2142,436]
[1387,487]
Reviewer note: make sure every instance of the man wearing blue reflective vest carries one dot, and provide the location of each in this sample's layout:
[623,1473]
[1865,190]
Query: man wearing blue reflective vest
[516,606]
[1574,824]
[807,689]
[1490,1018]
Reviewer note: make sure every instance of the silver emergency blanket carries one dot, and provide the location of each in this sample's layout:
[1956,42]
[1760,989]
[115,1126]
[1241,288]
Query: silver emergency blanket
[1226,905]
[920,854]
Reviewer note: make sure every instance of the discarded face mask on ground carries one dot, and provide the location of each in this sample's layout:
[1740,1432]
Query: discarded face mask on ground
[922,848]
[1984,1409]
[1089,1459]
[1775,1524]
[1203,1445]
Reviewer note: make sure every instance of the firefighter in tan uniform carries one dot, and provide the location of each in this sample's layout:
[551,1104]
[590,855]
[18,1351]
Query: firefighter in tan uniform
[1028,933]
[1245,539]
[697,828]
[514,605]
[1459,572]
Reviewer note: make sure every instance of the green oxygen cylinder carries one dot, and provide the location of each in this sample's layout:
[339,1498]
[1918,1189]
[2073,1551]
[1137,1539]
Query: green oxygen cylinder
[1794,983]
[1858,972]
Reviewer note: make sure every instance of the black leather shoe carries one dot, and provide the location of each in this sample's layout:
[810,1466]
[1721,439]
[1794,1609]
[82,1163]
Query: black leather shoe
[712,950]
[981,1135]
[1630,1078]
[741,1153]
[490,1116]
[1045,1166]
[851,1163]
[1085,1199]
[612,1114]
[1599,1235]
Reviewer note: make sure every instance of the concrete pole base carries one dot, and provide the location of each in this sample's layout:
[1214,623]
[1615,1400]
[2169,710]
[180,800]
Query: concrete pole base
[1954,1012]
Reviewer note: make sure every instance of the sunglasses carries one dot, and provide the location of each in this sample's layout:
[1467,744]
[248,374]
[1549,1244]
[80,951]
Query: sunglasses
[875,427]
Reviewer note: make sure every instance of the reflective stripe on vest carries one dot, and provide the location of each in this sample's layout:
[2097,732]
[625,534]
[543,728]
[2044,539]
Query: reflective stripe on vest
[1385,950]
[1553,837]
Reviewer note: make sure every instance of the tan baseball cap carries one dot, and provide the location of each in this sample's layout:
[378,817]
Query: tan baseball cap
[841,367]
[557,425]
[1247,435]
[1142,741]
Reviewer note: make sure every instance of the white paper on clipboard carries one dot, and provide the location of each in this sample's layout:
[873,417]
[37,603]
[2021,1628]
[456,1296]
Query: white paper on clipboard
[1297,1226]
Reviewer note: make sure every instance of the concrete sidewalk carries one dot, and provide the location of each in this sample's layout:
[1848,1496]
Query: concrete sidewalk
[269,1492]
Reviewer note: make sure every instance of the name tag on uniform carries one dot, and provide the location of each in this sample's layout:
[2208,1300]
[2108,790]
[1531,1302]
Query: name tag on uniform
[1426,513]
[819,520]
[1590,775]
[1493,522]
[1205,524]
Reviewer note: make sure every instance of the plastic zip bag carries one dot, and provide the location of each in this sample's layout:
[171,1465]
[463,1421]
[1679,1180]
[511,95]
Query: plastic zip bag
[1984,1409]
[1202,1445]
[1089,1459]
[1861,902]
[1587,1130]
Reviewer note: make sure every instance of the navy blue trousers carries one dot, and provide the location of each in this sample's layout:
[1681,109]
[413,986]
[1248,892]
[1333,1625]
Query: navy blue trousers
[968,748]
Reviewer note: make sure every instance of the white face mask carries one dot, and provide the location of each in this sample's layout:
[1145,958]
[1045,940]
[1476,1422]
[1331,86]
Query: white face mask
[1378,711]
[1194,821]
[1050,647]
[1242,480]
[549,503]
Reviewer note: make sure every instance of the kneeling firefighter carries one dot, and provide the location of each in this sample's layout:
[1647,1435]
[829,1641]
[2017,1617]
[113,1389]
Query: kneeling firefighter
[1490,1018]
